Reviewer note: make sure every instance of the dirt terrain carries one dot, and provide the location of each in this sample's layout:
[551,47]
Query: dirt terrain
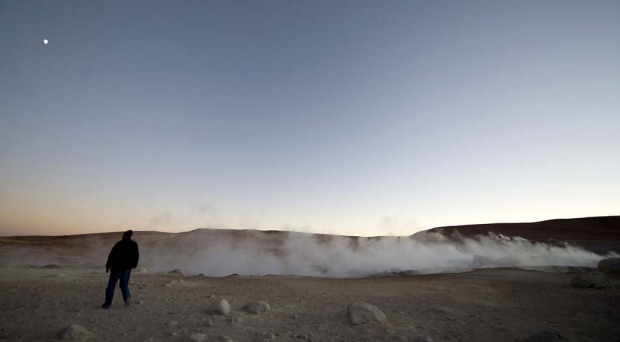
[483,305]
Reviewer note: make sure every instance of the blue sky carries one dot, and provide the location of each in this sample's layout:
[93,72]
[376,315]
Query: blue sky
[343,117]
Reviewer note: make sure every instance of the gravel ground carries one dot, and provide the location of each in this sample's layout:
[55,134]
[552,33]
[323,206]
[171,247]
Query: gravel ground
[484,305]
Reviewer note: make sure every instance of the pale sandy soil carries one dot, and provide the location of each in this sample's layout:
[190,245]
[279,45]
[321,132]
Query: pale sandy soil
[483,305]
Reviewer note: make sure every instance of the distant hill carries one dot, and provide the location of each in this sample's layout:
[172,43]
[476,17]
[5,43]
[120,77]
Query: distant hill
[599,234]
[222,252]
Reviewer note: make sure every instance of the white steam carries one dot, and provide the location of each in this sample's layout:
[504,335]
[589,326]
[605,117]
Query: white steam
[263,253]
[215,252]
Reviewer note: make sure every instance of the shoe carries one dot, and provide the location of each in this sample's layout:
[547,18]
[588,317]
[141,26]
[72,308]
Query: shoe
[128,303]
[104,306]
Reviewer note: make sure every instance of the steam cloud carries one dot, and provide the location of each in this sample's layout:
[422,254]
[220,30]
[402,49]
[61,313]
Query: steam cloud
[215,252]
[264,253]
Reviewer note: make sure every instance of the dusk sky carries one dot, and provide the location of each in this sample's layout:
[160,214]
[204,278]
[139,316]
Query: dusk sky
[341,117]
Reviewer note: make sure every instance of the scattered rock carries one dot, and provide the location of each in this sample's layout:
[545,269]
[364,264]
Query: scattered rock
[177,271]
[545,336]
[597,281]
[268,336]
[362,313]
[173,324]
[219,307]
[423,338]
[236,319]
[142,270]
[196,338]
[259,307]
[609,265]
[74,332]
[224,338]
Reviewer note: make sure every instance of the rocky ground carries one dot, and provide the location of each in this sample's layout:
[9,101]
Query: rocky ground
[501,304]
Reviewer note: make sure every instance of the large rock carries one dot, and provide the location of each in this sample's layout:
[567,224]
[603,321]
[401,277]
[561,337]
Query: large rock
[177,271]
[596,281]
[609,265]
[256,307]
[219,307]
[363,313]
[74,332]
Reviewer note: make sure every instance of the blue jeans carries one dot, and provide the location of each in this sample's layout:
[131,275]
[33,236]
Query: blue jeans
[124,285]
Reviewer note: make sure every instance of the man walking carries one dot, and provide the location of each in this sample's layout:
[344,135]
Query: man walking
[123,257]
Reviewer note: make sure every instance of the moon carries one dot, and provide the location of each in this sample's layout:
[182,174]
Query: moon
[45,41]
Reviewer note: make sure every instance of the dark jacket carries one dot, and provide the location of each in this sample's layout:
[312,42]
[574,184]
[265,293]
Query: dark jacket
[124,255]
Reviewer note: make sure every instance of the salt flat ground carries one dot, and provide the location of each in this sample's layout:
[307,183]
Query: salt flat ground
[482,305]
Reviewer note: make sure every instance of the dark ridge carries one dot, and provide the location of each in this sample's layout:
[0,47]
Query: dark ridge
[599,234]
